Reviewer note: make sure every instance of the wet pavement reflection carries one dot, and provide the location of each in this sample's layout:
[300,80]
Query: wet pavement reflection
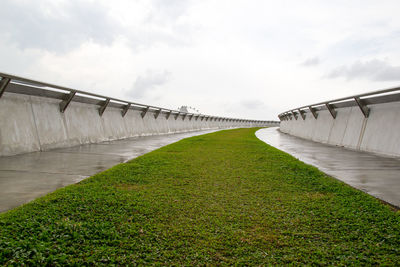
[28,176]
[373,174]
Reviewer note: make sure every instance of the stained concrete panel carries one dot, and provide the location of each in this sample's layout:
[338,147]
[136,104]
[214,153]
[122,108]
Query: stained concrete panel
[50,123]
[18,132]
[113,124]
[323,127]
[354,128]
[339,126]
[84,125]
[382,131]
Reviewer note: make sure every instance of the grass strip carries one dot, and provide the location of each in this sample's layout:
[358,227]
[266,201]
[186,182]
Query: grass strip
[219,199]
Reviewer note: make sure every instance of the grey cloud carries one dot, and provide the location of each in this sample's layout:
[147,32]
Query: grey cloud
[148,82]
[252,104]
[170,10]
[163,25]
[311,62]
[376,70]
[61,26]
[56,26]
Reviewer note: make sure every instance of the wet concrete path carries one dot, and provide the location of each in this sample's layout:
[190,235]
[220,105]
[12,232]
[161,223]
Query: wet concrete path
[28,176]
[375,175]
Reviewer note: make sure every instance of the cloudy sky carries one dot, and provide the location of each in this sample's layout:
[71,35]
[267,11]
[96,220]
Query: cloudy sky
[236,58]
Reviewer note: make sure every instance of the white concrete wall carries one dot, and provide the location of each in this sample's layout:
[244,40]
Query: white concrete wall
[30,123]
[379,133]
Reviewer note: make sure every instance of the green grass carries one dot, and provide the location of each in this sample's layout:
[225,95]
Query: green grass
[219,199]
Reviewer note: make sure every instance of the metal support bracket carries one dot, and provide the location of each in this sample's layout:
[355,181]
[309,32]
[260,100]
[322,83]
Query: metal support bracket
[207,118]
[303,116]
[191,117]
[295,115]
[177,115]
[157,113]
[331,110]
[3,85]
[313,112]
[184,116]
[125,110]
[64,104]
[197,117]
[202,118]
[168,115]
[144,112]
[362,106]
[104,106]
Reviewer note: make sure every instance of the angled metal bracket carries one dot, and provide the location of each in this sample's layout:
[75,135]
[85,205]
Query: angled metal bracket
[303,116]
[313,112]
[184,116]
[177,115]
[331,110]
[202,118]
[294,114]
[191,117]
[197,117]
[168,115]
[64,104]
[290,116]
[157,113]
[362,106]
[3,85]
[125,109]
[104,106]
[144,112]
[207,118]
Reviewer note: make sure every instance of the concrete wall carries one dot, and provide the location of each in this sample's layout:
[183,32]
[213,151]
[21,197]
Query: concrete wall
[31,123]
[379,133]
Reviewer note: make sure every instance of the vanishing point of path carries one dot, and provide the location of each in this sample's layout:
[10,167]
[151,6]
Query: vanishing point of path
[27,176]
[373,174]
[220,199]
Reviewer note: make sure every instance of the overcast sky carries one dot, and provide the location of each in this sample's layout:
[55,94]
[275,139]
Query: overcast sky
[237,58]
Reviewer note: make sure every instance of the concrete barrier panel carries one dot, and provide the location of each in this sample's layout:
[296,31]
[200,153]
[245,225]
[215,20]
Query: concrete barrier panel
[354,128]
[114,124]
[33,123]
[84,125]
[339,126]
[382,130]
[368,122]
[323,127]
[18,132]
[50,123]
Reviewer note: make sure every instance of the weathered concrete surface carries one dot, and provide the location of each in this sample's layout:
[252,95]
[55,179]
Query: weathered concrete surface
[28,176]
[379,133]
[373,174]
[32,123]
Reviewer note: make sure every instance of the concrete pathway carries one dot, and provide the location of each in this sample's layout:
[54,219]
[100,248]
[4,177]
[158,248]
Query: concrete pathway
[375,175]
[28,176]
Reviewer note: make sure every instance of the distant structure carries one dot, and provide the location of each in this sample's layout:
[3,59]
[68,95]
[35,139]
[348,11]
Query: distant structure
[188,109]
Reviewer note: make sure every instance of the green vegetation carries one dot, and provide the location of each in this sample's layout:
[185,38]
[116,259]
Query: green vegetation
[223,198]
